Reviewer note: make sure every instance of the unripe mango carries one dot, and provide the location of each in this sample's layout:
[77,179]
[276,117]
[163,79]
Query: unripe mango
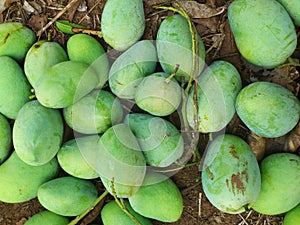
[5,138]
[292,6]
[292,217]
[47,218]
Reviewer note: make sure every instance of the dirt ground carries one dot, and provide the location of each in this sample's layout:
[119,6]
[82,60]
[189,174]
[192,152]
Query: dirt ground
[212,25]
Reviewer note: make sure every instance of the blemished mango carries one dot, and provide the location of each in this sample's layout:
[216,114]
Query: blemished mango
[268,109]
[86,49]
[160,141]
[131,67]
[122,23]
[15,40]
[67,196]
[263,31]
[230,175]
[174,47]
[292,217]
[42,55]
[47,218]
[37,133]
[112,214]
[217,89]
[5,138]
[19,182]
[65,83]
[280,181]
[14,87]
[158,198]
[292,7]
[94,113]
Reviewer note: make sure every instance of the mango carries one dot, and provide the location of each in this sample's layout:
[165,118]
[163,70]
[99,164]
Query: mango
[268,109]
[292,7]
[128,69]
[42,55]
[280,181]
[47,218]
[5,138]
[94,113]
[292,217]
[158,95]
[160,140]
[15,89]
[86,49]
[174,47]
[15,40]
[217,89]
[19,182]
[159,198]
[67,196]
[37,133]
[122,23]
[263,31]
[120,161]
[112,214]
[71,159]
[230,175]
[65,83]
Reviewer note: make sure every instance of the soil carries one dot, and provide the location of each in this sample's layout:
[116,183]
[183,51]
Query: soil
[219,43]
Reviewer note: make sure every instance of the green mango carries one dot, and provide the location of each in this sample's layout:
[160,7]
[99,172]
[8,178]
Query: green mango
[5,138]
[65,83]
[268,109]
[37,133]
[217,89]
[128,69]
[94,113]
[67,196]
[292,217]
[42,55]
[159,198]
[263,31]
[71,157]
[15,89]
[230,175]
[292,7]
[15,40]
[120,161]
[160,140]
[86,49]
[280,181]
[157,95]
[47,218]
[112,214]
[174,47]
[122,23]
[19,182]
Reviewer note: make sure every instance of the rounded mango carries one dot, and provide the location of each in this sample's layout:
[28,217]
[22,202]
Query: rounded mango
[292,217]
[292,6]
[47,218]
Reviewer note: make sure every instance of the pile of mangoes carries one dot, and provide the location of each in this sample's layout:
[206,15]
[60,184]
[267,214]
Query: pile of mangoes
[46,88]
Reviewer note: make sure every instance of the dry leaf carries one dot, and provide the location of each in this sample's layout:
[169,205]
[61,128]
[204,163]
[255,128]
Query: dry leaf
[4,4]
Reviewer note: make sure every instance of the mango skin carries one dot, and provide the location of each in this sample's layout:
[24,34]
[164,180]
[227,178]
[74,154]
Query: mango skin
[159,198]
[42,55]
[230,174]
[292,217]
[157,96]
[292,7]
[112,214]
[217,90]
[280,177]
[263,39]
[174,46]
[37,133]
[47,218]
[131,67]
[5,138]
[15,89]
[94,113]
[86,49]
[67,196]
[122,23]
[279,114]
[65,83]
[19,182]
[160,141]
[15,40]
